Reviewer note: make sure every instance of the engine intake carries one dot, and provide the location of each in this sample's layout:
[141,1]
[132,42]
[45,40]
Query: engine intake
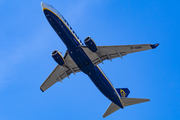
[90,44]
[58,57]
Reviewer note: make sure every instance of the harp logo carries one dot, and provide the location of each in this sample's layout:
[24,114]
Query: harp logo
[123,94]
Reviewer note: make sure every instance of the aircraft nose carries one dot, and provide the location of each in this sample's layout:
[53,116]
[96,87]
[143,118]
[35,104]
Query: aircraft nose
[44,5]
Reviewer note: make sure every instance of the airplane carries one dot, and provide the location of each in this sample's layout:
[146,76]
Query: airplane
[85,58]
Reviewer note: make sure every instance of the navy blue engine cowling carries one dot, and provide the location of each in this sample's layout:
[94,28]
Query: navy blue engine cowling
[90,44]
[58,57]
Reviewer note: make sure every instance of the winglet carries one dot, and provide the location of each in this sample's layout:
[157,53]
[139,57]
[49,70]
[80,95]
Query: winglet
[154,45]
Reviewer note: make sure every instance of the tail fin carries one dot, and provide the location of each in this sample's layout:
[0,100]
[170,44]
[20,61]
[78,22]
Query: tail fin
[126,102]
[123,92]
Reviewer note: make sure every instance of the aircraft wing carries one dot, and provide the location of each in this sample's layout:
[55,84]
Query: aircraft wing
[60,72]
[110,52]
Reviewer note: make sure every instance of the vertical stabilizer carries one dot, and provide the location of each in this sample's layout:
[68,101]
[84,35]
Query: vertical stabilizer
[123,92]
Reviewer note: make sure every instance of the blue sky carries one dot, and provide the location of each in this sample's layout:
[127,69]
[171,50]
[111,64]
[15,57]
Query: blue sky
[27,40]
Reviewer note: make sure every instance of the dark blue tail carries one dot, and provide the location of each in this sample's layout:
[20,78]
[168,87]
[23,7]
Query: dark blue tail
[123,92]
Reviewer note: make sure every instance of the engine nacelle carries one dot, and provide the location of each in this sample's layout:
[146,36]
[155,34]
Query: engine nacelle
[90,44]
[58,57]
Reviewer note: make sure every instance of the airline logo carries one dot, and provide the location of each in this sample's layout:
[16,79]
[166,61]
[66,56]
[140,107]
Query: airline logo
[123,94]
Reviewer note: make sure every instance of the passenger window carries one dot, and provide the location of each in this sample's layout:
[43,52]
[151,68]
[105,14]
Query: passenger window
[67,24]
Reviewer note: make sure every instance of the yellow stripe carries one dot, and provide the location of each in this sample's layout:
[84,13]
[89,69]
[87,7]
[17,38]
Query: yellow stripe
[63,22]
[111,85]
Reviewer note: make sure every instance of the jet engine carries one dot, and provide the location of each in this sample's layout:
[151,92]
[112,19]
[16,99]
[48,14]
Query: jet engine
[58,57]
[90,44]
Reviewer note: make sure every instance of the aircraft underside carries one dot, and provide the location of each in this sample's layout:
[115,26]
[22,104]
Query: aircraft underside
[86,59]
[82,60]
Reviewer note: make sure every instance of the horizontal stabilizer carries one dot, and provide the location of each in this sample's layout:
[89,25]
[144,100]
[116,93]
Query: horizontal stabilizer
[126,102]
[132,101]
[112,108]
